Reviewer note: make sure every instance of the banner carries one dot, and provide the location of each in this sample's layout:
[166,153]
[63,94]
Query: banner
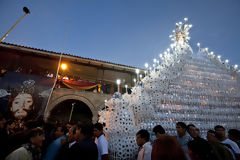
[24,96]
[81,85]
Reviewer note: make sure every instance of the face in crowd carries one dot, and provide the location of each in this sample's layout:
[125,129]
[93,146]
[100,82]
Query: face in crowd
[21,105]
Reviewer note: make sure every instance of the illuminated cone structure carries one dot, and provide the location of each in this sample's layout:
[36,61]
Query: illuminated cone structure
[192,87]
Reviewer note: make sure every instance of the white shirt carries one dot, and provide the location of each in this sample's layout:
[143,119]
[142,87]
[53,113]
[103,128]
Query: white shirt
[102,146]
[233,145]
[145,152]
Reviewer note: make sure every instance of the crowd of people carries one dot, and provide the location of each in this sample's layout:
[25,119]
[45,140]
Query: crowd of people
[37,140]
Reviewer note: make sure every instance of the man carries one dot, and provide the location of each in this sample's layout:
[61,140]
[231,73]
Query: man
[232,146]
[101,141]
[29,150]
[86,147]
[182,137]
[158,130]
[192,131]
[142,138]
[234,135]
[55,146]
[222,151]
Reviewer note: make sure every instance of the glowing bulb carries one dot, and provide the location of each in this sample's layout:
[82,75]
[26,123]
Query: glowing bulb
[118,81]
[126,86]
[235,66]
[168,49]
[137,71]
[146,65]
[190,25]
[226,61]
[160,55]
[140,76]
[63,66]
[154,60]
[218,56]
[185,19]
[206,49]
[134,80]
[198,44]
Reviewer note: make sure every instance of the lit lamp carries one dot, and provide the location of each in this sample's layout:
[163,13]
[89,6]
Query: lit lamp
[126,86]
[118,84]
[134,80]
[137,71]
[26,10]
[63,66]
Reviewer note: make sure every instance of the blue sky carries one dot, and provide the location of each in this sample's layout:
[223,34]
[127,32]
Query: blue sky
[129,32]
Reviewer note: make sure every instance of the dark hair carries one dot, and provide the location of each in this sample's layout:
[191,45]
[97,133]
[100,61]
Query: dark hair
[202,149]
[218,127]
[35,132]
[98,126]
[144,134]
[235,133]
[158,129]
[63,129]
[167,148]
[190,125]
[9,122]
[86,129]
[182,124]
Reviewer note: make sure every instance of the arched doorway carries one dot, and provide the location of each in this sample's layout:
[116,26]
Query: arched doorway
[71,109]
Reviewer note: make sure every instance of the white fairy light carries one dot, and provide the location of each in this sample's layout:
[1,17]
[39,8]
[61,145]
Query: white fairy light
[137,71]
[198,44]
[146,65]
[226,61]
[185,19]
[218,56]
[154,60]
[235,66]
[160,55]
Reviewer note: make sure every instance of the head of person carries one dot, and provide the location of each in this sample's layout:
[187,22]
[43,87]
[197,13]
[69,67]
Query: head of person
[73,134]
[167,147]
[142,137]
[36,137]
[200,149]
[158,131]
[192,130]
[212,136]
[60,131]
[181,128]
[85,131]
[220,131]
[21,105]
[234,135]
[97,129]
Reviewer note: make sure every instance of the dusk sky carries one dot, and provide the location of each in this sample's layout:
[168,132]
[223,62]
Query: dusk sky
[129,32]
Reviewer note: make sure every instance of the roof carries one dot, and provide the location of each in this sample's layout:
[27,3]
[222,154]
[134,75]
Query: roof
[69,56]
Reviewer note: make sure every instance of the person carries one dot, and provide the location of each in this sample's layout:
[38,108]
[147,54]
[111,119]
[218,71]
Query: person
[30,150]
[182,137]
[55,146]
[142,139]
[234,135]
[167,148]
[232,146]
[223,152]
[86,146]
[158,131]
[200,149]
[192,131]
[101,141]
